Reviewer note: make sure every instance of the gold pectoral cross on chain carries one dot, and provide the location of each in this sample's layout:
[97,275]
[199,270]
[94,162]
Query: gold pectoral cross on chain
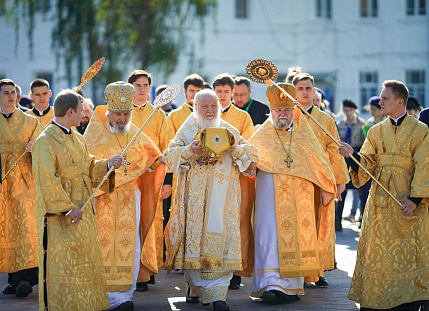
[125,163]
[288,160]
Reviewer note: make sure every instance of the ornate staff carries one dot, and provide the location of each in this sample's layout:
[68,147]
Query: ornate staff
[88,75]
[264,71]
[165,97]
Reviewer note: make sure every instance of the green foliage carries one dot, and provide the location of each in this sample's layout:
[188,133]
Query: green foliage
[148,33]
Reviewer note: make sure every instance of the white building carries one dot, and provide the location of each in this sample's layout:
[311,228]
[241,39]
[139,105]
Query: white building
[349,46]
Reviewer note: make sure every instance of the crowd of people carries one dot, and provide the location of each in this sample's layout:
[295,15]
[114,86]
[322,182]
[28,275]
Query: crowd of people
[221,187]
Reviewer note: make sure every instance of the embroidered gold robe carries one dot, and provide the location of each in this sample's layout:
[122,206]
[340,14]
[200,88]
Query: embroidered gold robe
[64,174]
[392,266]
[116,212]
[203,230]
[294,186]
[18,234]
[44,120]
[242,121]
[160,132]
[325,217]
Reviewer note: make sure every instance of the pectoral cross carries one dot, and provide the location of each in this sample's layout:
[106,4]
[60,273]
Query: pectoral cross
[289,160]
[125,163]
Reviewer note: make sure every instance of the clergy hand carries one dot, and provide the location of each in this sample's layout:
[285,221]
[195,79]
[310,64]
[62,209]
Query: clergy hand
[196,148]
[345,150]
[340,189]
[325,197]
[165,192]
[115,161]
[29,146]
[408,206]
[76,215]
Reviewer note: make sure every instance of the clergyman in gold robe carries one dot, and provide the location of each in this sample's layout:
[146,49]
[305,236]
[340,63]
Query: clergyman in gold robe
[203,234]
[153,189]
[392,265]
[18,236]
[292,168]
[325,216]
[118,213]
[70,265]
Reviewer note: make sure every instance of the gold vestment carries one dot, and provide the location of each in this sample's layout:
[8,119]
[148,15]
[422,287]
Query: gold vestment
[44,120]
[18,236]
[392,266]
[65,174]
[116,212]
[295,187]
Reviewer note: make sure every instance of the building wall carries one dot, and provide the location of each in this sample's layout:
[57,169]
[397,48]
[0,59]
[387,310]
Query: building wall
[286,32]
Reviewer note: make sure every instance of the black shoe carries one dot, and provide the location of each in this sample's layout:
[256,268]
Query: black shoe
[126,306]
[283,297]
[8,290]
[220,305]
[322,282]
[235,282]
[270,297]
[23,289]
[142,287]
[190,299]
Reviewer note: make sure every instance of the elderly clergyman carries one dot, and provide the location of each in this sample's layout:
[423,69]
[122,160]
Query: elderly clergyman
[203,234]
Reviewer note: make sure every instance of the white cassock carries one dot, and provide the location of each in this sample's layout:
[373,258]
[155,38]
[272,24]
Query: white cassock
[266,274]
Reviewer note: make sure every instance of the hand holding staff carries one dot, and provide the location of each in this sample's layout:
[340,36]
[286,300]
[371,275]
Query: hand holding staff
[264,71]
[165,97]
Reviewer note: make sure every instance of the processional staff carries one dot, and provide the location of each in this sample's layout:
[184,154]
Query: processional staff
[264,71]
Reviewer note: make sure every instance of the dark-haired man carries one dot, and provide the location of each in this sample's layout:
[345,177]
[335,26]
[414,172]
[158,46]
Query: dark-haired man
[41,94]
[242,91]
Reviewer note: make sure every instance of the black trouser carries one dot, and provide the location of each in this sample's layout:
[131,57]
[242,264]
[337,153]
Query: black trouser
[30,275]
[411,306]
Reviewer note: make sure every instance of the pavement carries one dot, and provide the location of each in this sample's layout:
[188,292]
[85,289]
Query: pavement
[168,292]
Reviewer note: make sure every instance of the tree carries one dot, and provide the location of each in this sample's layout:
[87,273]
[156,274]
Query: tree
[147,32]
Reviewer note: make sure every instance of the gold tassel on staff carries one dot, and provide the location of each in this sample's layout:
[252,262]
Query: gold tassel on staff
[264,71]
[88,75]
[165,97]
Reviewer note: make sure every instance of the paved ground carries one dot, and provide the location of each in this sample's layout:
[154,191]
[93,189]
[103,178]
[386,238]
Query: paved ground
[169,291]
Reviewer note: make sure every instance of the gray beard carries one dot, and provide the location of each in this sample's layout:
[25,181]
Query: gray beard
[282,125]
[120,129]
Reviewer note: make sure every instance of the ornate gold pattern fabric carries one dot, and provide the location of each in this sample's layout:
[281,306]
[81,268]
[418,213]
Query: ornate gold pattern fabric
[309,172]
[74,270]
[18,236]
[120,96]
[392,266]
[203,229]
[278,99]
[116,211]
[325,217]
[239,119]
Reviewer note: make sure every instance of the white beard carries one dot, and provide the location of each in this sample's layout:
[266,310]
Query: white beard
[202,123]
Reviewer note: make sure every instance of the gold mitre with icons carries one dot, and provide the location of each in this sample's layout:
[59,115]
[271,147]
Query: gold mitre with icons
[278,99]
[216,141]
[120,96]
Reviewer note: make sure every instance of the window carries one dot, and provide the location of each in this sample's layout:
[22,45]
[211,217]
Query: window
[241,7]
[416,7]
[368,86]
[415,81]
[368,8]
[323,9]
